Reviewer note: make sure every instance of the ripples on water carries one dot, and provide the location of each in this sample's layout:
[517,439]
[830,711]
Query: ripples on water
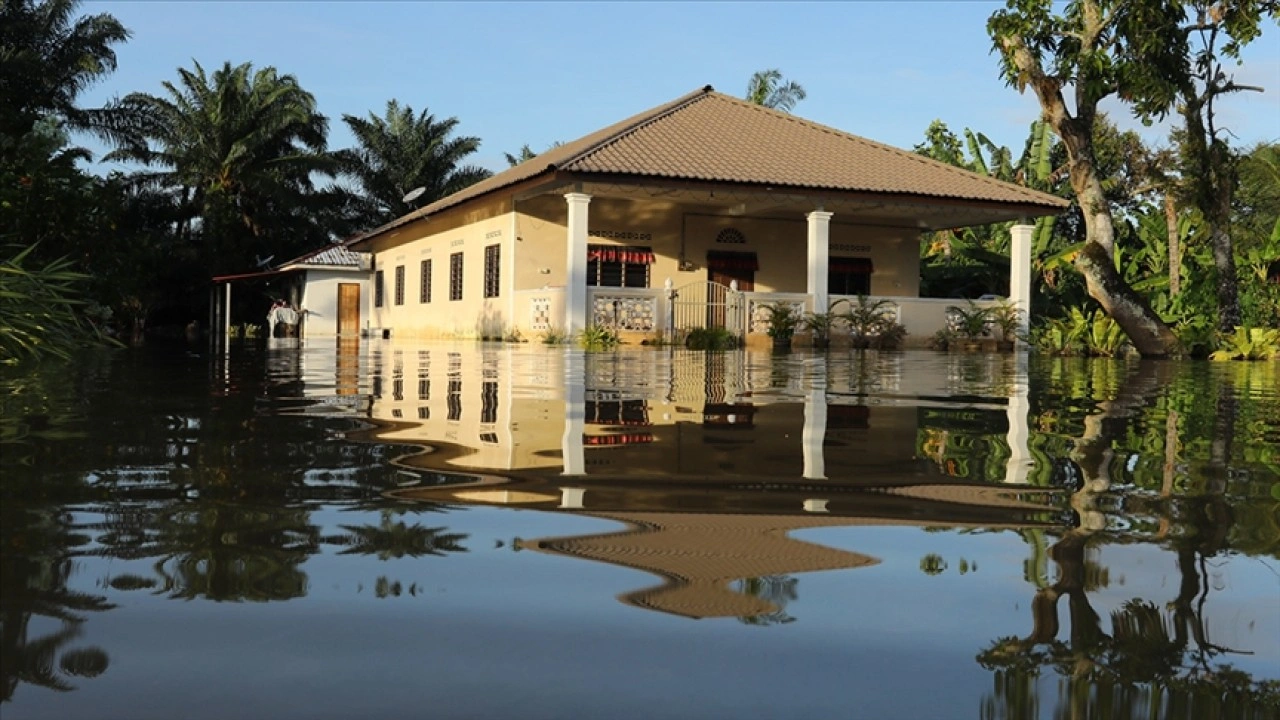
[486,531]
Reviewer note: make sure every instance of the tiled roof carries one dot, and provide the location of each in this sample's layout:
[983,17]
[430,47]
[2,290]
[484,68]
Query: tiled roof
[700,555]
[710,136]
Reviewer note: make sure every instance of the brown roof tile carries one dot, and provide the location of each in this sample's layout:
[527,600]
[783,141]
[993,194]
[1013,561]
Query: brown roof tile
[710,136]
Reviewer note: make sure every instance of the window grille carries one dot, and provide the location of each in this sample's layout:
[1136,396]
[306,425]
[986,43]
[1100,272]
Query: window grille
[492,254]
[455,276]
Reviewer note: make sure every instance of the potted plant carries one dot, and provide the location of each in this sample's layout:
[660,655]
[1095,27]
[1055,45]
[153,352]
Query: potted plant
[820,325]
[868,321]
[1007,317]
[783,319]
[970,323]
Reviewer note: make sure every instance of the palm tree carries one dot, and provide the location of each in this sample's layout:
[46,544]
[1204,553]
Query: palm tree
[767,88]
[526,153]
[401,152]
[47,59]
[240,147]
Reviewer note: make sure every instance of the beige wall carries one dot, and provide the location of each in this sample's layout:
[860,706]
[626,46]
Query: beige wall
[437,240]
[320,300]
[675,231]
[525,425]
[533,258]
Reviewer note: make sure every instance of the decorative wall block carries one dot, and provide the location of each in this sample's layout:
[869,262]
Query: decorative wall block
[624,312]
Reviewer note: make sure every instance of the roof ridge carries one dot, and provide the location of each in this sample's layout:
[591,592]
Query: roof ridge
[1029,192]
[674,106]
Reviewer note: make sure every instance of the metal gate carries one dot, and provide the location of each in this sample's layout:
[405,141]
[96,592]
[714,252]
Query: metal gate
[708,305]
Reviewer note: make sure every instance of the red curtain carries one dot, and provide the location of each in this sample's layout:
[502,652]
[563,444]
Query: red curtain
[620,253]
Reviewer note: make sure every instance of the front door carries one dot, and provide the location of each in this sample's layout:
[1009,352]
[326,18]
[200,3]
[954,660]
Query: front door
[348,308]
[725,268]
[745,276]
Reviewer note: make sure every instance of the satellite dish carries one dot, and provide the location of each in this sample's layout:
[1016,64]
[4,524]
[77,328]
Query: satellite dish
[263,262]
[414,194]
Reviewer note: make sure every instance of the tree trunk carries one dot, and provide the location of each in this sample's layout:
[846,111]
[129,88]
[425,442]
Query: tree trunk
[1225,262]
[1175,245]
[1148,333]
[1145,329]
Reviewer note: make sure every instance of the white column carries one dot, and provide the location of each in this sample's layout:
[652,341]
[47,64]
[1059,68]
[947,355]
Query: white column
[575,288]
[571,498]
[819,251]
[815,422]
[1019,465]
[226,315]
[572,451]
[1020,273]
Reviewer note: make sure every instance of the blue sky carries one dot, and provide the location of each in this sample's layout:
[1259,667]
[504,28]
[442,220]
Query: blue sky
[516,73]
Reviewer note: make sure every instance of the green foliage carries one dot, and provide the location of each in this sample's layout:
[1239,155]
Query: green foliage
[767,88]
[242,147]
[402,151]
[783,320]
[867,318]
[554,336]
[48,58]
[596,337]
[711,339]
[971,322]
[1007,317]
[1104,337]
[41,310]
[1249,344]
[1094,334]
[820,325]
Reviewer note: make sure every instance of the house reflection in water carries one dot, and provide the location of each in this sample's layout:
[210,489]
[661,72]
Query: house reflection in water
[709,460]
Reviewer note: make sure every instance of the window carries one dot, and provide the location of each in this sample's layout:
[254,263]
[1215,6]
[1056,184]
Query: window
[491,256]
[455,276]
[377,289]
[618,266]
[489,402]
[849,276]
[424,294]
[399,284]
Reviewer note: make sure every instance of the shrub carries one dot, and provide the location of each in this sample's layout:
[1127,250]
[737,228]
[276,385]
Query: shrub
[554,336]
[711,339]
[1249,344]
[596,337]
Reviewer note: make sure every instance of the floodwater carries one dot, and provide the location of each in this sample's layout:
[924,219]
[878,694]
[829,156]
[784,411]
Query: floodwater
[384,529]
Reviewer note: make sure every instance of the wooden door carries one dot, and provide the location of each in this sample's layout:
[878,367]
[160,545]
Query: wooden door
[724,268]
[746,278]
[348,308]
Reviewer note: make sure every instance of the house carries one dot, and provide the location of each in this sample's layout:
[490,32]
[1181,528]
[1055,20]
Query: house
[694,213]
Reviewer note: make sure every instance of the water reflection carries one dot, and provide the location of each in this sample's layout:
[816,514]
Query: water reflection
[727,479]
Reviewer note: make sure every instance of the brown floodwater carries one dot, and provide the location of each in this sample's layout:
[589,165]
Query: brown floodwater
[464,530]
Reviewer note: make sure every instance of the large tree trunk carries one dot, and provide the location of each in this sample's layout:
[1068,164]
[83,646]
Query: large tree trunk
[1175,245]
[1224,260]
[1145,329]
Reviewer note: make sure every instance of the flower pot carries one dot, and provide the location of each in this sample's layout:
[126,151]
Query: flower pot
[1004,345]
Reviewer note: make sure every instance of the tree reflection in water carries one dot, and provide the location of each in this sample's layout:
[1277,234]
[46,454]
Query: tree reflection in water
[777,590]
[36,551]
[1154,662]
[391,539]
